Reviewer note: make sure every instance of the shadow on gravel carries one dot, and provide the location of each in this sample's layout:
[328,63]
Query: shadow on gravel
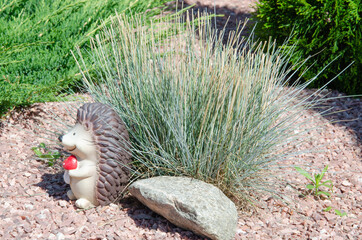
[22,115]
[229,17]
[342,111]
[147,219]
[54,185]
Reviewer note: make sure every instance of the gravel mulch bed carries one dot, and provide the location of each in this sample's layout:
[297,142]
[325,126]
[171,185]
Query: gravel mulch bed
[34,204]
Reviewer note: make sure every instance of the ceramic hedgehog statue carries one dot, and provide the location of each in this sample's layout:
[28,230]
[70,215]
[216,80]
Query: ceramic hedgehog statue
[98,170]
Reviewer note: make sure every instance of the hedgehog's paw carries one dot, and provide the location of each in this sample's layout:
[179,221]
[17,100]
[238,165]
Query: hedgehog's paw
[70,195]
[66,177]
[83,203]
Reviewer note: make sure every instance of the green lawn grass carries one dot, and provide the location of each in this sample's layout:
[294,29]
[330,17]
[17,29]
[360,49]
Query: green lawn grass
[36,37]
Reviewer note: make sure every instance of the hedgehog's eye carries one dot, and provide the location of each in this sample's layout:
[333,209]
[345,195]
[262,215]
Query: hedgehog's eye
[73,134]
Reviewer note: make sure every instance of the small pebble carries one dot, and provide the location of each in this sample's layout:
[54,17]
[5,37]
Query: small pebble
[345,183]
[112,205]
[6,205]
[60,236]
[41,216]
[29,206]
[239,231]
[62,203]
[52,237]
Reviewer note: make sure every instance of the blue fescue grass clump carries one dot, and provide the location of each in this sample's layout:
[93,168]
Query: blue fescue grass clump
[194,106]
[36,37]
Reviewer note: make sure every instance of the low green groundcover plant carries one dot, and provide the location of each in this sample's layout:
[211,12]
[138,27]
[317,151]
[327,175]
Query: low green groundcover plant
[194,106]
[46,154]
[336,211]
[328,30]
[36,37]
[315,187]
[316,182]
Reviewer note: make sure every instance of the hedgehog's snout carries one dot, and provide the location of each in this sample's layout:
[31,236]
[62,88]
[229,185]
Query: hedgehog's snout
[60,138]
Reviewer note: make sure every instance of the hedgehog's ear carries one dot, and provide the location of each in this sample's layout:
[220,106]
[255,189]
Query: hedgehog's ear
[86,126]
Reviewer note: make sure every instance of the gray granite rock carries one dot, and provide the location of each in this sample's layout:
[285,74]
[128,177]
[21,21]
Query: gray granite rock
[190,204]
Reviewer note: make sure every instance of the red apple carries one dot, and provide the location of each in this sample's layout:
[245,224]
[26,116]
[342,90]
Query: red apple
[70,163]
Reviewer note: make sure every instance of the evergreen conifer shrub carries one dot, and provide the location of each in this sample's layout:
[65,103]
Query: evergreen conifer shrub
[328,30]
[36,37]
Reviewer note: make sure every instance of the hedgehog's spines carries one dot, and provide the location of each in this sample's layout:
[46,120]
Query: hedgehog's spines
[112,141]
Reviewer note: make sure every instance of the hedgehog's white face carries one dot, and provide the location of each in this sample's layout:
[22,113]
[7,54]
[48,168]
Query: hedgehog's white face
[78,141]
